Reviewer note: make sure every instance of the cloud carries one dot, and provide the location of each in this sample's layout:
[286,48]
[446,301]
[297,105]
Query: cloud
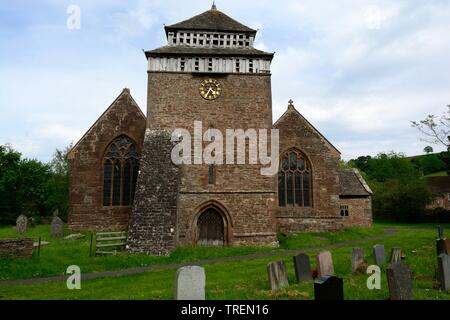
[360,71]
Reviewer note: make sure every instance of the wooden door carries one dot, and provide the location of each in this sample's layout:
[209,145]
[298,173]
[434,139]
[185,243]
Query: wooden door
[210,229]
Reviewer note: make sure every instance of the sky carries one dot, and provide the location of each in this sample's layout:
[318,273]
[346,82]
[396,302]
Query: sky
[359,70]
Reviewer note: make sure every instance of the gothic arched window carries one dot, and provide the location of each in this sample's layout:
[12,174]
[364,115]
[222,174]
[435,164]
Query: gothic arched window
[120,171]
[294,180]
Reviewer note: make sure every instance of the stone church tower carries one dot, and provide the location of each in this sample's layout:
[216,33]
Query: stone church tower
[209,73]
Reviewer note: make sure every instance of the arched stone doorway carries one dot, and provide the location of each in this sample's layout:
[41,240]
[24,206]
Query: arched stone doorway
[211,228]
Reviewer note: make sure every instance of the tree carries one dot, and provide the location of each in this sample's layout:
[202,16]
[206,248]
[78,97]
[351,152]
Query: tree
[58,183]
[31,187]
[435,129]
[399,191]
[428,149]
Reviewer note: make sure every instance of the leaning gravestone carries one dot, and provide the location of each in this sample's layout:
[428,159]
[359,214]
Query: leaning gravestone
[442,246]
[444,271]
[378,254]
[329,288]
[396,255]
[277,275]
[75,236]
[21,224]
[57,227]
[302,268]
[190,283]
[399,281]
[325,264]
[357,258]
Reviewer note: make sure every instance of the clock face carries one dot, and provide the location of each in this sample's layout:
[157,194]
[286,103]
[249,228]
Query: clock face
[210,89]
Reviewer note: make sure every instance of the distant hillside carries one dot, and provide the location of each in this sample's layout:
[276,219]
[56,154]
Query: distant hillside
[432,164]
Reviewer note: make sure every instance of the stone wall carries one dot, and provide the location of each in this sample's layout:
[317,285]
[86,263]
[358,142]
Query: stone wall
[153,220]
[86,211]
[359,212]
[245,197]
[16,248]
[323,215]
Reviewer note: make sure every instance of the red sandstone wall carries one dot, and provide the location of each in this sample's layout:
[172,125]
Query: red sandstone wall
[324,213]
[360,212]
[86,211]
[247,197]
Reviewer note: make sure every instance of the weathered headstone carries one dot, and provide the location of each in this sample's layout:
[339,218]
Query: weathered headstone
[325,264]
[444,271]
[357,258]
[443,246]
[21,224]
[42,244]
[57,227]
[399,282]
[396,255]
[302,268]
[277,275]
[440,232]
[190,283]
[329,288]
[379,255]
[76,236]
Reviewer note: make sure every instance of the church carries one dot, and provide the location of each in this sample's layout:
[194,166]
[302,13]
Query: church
[123,177]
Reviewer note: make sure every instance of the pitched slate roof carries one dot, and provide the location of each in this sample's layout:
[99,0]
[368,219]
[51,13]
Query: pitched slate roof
[353,184]
[211,20]
[438,184]
[184,50]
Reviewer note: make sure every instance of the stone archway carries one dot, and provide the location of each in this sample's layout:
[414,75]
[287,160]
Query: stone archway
[211,228]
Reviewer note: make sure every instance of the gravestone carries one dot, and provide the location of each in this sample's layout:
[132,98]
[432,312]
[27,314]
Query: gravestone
[325,264]
[399,281]
[378,255]
[190,283]
[444,271]
[329,288]
[21,224]
[57,227]
[302,268]
[76,236]
[357,258]
[396,255]
[443,246]
[277,275]
[440,232]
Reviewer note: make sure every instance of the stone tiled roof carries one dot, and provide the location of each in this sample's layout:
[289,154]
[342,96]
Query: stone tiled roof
[439,184]
[211,20]
[184,50]
[353,184]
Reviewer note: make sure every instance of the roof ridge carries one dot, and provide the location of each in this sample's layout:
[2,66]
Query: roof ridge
[212,19]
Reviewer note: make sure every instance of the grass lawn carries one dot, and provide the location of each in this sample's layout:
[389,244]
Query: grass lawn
[437,174]
[231,280]
[56,257]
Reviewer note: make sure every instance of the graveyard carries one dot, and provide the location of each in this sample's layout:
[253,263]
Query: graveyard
[236,273]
